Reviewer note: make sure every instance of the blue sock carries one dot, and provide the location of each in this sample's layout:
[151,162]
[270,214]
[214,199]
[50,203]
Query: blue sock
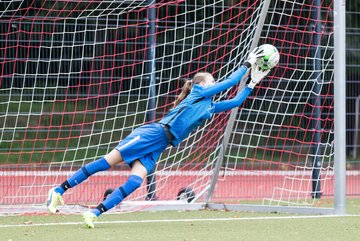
[82,174]
[118,195]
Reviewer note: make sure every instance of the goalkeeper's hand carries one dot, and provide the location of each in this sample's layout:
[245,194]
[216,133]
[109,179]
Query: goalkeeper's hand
[257,74]
[254,55]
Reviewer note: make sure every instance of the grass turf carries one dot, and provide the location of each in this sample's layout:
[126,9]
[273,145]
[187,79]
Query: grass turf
[203,226]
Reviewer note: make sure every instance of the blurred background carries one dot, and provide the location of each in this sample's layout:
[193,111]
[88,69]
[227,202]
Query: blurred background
[14,33]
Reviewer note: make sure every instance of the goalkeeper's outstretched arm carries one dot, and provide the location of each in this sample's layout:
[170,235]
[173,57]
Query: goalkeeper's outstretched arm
[257,75]
[235,77]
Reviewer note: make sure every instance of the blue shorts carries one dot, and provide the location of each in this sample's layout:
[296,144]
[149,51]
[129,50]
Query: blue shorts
[145,144]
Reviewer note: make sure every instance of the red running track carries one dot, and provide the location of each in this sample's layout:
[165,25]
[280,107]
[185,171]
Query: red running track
[32,188]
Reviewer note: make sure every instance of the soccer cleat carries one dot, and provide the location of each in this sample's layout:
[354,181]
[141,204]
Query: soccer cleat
[89,219]
[53,200]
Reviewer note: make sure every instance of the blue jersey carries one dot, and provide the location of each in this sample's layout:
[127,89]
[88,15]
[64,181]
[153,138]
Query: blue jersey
[198,106]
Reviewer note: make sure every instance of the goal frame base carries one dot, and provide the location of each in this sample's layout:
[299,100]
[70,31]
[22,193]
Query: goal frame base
[154,206]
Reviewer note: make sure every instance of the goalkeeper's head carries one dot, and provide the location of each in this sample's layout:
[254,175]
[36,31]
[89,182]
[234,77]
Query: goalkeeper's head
[201,78]
[204,79]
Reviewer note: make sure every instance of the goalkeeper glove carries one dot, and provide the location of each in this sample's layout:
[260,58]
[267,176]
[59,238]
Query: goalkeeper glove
[257,74]
[253,56]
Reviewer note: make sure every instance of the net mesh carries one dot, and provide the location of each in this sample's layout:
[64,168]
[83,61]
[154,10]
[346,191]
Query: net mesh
[76,78]
[285,134]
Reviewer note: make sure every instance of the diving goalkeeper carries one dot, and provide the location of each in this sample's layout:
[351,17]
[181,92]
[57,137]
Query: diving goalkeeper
[143,146]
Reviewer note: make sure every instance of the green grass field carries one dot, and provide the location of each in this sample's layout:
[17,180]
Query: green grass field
[186,226]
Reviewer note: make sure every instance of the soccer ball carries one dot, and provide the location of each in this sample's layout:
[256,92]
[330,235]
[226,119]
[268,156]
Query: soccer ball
[271,58]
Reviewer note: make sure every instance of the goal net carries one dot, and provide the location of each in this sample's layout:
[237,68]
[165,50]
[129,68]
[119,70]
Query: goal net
[78,76]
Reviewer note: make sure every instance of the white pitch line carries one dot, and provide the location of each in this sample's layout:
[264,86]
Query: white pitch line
[178,220]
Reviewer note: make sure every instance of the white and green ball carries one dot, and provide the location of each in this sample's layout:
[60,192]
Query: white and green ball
[271,58]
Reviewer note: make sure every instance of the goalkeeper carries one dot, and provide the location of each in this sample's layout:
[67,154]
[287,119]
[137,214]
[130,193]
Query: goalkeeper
[143,146]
